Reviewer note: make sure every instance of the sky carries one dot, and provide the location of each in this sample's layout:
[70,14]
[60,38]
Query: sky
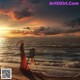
[37,18]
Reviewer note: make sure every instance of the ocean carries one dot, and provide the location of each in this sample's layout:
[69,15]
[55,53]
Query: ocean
[55,56]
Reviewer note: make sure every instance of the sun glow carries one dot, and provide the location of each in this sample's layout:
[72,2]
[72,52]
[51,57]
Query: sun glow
[4,31]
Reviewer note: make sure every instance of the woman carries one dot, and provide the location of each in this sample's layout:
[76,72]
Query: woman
[23,64]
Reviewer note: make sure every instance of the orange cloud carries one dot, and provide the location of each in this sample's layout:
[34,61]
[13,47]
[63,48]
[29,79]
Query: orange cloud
[18,14]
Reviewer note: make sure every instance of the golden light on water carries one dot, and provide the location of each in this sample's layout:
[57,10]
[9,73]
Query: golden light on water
[3,43]
[2,50]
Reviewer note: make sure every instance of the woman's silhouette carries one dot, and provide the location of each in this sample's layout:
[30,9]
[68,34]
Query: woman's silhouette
[23,64]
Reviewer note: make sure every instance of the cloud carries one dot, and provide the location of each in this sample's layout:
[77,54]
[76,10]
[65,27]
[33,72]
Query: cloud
[22,13]
[56,30]
[73,25]
[49,30]
[41,30]
[20,31]
[16,32]
[17,14]
[17,10]
[74,22]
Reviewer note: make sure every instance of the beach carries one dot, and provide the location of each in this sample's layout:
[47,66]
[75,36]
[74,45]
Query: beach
[18,75]
[54,60]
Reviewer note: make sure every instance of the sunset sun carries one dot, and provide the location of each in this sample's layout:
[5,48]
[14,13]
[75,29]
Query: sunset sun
[4,31]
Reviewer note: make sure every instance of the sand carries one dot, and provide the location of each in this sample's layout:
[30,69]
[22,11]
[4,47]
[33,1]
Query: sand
[18,75]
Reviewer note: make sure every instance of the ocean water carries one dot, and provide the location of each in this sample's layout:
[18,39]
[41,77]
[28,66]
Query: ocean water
[54,56]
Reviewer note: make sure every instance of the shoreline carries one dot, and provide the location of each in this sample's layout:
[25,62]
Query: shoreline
[48,71]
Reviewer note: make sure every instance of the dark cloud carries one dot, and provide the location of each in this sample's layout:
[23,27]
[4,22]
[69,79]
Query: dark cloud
[42,28]
[43,10]
[15,10]
[47,30]
[16,14]
[56,30]
[20,14]
[74,25]
[74,22]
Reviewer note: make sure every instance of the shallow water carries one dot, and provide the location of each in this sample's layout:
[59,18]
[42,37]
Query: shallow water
[54,56]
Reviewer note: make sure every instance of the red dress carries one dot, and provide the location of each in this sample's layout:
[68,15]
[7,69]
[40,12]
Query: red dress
[23,64]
